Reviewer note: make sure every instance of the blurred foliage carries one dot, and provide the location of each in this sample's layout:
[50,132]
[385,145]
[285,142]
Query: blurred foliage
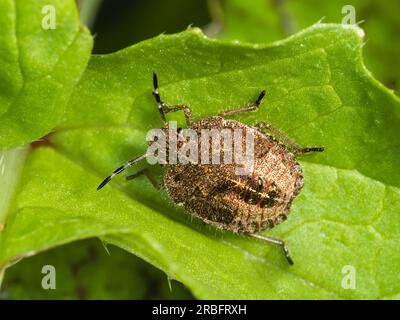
[124,22]
[84,270]
[268,20]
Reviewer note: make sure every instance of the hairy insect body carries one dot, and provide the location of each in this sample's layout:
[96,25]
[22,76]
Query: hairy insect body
[239,203]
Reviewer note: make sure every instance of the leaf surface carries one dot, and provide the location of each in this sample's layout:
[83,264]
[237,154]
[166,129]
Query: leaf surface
[39,66]
[318,92]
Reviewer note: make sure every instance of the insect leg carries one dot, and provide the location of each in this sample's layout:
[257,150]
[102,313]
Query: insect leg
[248,108]
[147,173]
[120,169]
[163,108]
[312,149]
[293,146]
[274,241]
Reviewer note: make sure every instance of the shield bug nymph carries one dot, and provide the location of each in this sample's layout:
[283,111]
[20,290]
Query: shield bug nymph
[215,193]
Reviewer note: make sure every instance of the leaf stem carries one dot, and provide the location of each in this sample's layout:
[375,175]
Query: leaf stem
[11,164]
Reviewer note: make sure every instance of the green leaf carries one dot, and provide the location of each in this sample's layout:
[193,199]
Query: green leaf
[84,270]
[261,21]
[318,91]
[39,67]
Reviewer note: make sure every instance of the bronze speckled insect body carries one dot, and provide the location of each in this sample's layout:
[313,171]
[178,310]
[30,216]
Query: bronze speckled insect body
[234,202]
[219,196]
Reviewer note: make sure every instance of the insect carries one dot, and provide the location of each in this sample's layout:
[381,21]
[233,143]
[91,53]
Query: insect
[219,196]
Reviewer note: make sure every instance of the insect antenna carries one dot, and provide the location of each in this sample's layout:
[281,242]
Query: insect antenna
[120,169]
[156,94]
